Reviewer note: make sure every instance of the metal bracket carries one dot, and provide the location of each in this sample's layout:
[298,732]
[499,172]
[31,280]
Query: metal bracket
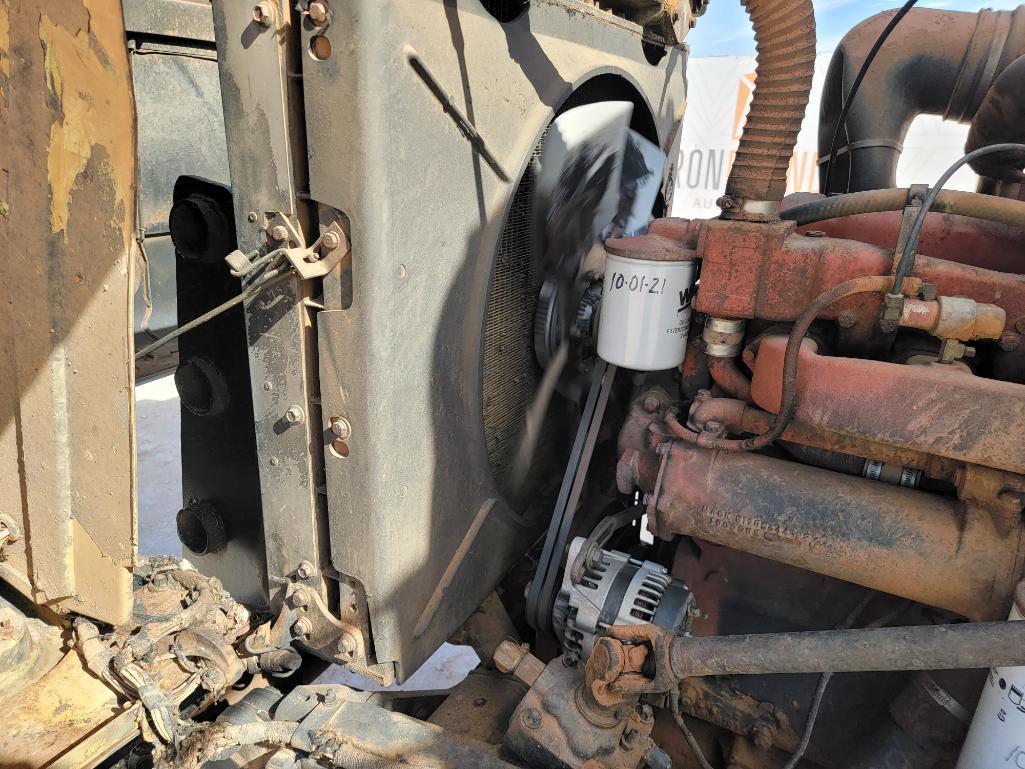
[314,261]
[305,622]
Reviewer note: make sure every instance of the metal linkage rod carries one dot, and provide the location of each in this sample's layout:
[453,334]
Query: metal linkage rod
[924,647]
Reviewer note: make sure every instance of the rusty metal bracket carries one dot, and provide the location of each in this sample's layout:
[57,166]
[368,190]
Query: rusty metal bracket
[306,622]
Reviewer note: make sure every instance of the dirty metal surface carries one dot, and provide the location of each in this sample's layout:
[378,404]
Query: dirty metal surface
[762,271]
[67,205]
[936,408]
[900,541]
[55,714]
[254,60]
[416,514]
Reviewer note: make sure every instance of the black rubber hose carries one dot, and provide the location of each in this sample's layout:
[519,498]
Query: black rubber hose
[974,204]
[1001,118]
[853,93]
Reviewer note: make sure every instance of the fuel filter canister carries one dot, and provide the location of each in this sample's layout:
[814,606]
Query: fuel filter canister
[646,304]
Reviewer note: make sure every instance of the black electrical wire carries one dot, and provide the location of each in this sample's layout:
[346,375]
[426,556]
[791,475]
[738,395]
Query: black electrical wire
[846,108]
[909,247]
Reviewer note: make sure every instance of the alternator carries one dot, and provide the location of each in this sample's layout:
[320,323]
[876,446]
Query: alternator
[615,589]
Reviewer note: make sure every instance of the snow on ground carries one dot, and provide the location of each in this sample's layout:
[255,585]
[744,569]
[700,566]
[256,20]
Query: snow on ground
[158,437]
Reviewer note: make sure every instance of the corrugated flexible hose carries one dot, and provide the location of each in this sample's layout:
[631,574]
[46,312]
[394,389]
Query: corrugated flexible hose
[785,42]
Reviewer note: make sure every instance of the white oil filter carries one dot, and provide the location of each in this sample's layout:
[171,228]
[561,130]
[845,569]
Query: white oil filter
[645,306]
[996,737]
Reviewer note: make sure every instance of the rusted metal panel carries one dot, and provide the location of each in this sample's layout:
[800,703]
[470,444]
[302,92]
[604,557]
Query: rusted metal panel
[940,409]
[67,205]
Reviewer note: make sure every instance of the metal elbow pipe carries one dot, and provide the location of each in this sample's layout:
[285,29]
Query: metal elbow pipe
[934,62]
[785,40]
[1001,118]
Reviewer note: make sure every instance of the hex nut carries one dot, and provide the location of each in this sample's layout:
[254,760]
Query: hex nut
[317,11]
[295,415]
[279,232]
[263,13]
[300,599]
[347,644]
[302,627]
[304,570]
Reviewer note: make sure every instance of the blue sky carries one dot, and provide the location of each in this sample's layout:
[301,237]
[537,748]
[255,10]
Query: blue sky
[725,29]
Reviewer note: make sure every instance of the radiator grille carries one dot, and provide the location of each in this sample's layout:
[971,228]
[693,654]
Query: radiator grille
[511,373]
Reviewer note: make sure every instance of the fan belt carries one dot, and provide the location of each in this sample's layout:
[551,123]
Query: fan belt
[541,595]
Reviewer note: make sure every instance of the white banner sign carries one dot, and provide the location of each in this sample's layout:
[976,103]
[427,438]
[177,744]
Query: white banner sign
[719,94]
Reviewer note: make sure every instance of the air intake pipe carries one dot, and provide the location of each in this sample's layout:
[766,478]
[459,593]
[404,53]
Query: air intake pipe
[934,62]
[1001,118]
[785,41]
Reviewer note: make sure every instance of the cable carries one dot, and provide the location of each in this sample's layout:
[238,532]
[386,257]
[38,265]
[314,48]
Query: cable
[674,706]
[846,108]
[908,248]
[268,282]
[788,398]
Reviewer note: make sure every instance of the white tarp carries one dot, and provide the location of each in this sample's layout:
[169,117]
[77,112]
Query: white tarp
[719,93]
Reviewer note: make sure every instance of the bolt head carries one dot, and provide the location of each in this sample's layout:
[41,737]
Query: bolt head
[279,232]
[341,428]
[295,415]
[304,570]
[531,718]
[302,627]
[317,11]
[311,257]
[263,13]
[650,404]
[330,241]
[1009,341]
[300,598]
[347,644]
[630,740]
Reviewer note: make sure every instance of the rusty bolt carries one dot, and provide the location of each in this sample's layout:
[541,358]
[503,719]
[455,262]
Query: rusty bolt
[341,428]
[347,644]
[302,627]
[1009,341]
[650,404]
[330,241]
[645,713]
[317,11]
[301,598]
[712,426]
[311,256]
[630,740]
[846,319]
[330,698]
[278,232]
[263,13]
[531,718]
[304,570]
[295,415]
